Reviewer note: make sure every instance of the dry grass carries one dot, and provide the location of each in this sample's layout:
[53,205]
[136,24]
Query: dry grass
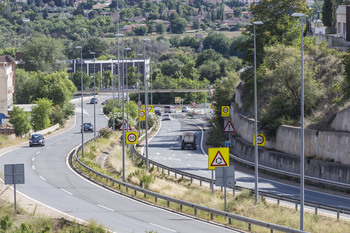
[6,141]
[241,204]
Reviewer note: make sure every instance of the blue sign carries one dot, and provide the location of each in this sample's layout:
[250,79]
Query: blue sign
[2,116]
[227,143]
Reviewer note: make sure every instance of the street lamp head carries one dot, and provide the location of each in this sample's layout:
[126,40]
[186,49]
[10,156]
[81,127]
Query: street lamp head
[78,47]
[298,15]
[119,35]
[127,49]
[257,23]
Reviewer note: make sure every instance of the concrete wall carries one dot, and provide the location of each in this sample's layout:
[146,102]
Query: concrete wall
[328,145]
[291,163]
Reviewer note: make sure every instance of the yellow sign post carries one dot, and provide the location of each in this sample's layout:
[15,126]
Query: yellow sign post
[225,111]
[142,115]
[218,157]
[132,137]
[261,140]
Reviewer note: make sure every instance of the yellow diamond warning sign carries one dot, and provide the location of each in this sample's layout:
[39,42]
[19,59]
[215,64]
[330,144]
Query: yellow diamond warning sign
[218,157]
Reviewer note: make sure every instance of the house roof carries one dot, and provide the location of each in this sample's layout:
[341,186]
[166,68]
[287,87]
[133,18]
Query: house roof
[341,9]
[6,58]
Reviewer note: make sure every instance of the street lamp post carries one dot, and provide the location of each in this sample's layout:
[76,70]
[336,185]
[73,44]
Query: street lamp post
[151,82]
[127,87]
[302,16]
[94,95]
[138,88]
[119,80]
[146,99]
[256,119]
[26,20]
[113,94]
[82,102]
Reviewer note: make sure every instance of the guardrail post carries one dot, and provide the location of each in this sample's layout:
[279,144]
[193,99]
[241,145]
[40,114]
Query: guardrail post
[271,230]
[157,169]
[229,221]
[155,199]
[316,210]
[338,214]
[162,170]
[167,202]
[119,186]
[200,182]
[182,176]
[175,175]
[126,189]
[211,216]
[180,207]
[168,173]
[135,192]
[296,206]
[249,227]
[195,212]
[278,201]
[191,179]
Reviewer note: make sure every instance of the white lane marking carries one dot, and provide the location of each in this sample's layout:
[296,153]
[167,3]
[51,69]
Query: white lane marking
[204,172]
[162,227]
[33,167]
[37,153]
[59,142]
[33,159]
[104,207]
[188,164]
[69,138]
[67,192]
[42,178]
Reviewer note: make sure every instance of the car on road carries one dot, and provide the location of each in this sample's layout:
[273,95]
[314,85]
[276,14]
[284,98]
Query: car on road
[36,139]
[187,109]
[188,140]
[169,109]
[157,111]
[93,101]
[87,127]
[166,117]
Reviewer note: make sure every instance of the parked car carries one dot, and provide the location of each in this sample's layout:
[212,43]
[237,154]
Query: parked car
[188,140]
[36,139]
[93,101]
[169,109]
[187,109]
[87,127]
[166,117]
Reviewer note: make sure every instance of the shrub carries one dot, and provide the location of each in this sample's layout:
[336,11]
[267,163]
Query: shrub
[106,132]
[5,222]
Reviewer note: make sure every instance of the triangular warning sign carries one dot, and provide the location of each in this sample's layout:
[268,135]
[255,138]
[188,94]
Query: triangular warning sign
[127,126]
[229,128]
[218,161]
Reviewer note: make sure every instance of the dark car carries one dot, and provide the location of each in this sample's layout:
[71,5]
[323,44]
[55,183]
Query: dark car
[93,101]
[87,127]
[36,139]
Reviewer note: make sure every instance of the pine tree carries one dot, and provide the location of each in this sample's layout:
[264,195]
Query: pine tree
[328,13]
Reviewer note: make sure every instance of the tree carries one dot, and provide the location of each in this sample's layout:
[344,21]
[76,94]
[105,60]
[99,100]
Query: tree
[141,31]
[196,24]
[179,25]
[40,117]
[328,13]
[20,121]
[160,28]
[43,54]
[217,41]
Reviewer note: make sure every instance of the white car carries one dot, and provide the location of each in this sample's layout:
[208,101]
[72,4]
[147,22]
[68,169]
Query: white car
[166,117]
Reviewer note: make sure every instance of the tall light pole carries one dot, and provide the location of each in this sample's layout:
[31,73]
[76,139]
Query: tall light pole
[151,83]
[138,88]
[127,87]
[123,118]
[26,20]
[256,119]
[119,78]
[301,16]
[94,95]
[82,102]
[146,98]
[113,94]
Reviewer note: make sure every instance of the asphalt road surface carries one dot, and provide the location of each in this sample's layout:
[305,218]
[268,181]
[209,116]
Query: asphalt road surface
[165,148]
[49,180]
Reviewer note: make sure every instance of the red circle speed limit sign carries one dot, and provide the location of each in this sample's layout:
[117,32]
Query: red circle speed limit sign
[225,110]
[260,139]
[132,137]
[194,104]
[139,102]
[142,113]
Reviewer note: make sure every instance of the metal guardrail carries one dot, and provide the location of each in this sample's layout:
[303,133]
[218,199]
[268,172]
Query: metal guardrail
[182,203]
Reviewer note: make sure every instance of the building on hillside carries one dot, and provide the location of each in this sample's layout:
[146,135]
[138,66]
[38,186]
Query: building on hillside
[132,27]
[7,82]
[343,22]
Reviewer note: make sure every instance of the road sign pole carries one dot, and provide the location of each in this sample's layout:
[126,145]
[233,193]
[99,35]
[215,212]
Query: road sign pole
[212,182]
[14,188]
[225,180]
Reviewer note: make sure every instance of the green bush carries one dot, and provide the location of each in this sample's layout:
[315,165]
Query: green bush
[106,132]
[5,222]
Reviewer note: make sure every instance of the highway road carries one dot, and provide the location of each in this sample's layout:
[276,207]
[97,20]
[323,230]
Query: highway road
[165,148]
[50,181]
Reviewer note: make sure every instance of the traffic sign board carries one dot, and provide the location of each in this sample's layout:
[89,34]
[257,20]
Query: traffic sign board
[125,125]
[177,100]
[142,115]
[212,106]
[229,128]
[194,104]
[218,157]
[132,137]
[261,140]
[139,103]
[225,111]
[150,108]
[227,143]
